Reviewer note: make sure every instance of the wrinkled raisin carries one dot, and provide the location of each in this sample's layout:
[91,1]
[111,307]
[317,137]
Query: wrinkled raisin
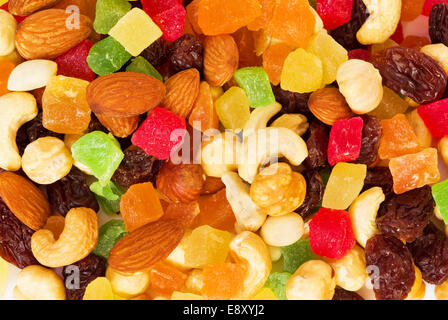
[430,253]
[406,215]
[157,52]
[186,53]
[438,23]
[411,73]
[314,192]
[292,102]
[15,239]
[89,268]
[390,267]
[137,166]
[371,134]
[379,177]
[346,34]
[342,294]
[70,192]
[95,125]
[317,144]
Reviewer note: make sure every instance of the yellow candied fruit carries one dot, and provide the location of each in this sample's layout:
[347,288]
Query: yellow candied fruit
[265,294]
[233,108]
[99,289]
[185,296]
[4,272]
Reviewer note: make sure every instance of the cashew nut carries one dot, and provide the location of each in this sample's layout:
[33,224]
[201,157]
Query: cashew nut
[267,144]
[438,52]
[78,239]
[382,22]
[8,26]
[128,286]
[16,108]
[441,291]
[260,116]
[294,121]
[248,215]
[250,249]
[39,283]
[417,287]
[443,149]
[31,74]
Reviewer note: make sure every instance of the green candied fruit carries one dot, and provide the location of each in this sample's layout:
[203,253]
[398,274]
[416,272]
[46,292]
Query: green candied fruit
[108,12]
[277,283]
[107,56]
[109,206]
[100,152]
[297,254]
[141,65]
[440,195]
[107,192]
[256,84]
[108,236]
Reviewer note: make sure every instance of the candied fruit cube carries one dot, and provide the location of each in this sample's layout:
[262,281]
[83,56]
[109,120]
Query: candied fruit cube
[108,236]
[108,12]
[416,170]
[64,105]
[334,13]
[4,279]
[110,206]
[216,211]
[185,296]
[267,8]
[344,185]
[203,116]
[277,282]
[107,56]
[411,9]
[233,108]
[435,116]
[360,54]
[345,140]
[255,83]
[295,255]
[391,105]
[6,68]
[265,294]
[440,195]
[273,59]
[169,15]
[73,63]
[223,281]
[142,65]
[166,279]
[99,289]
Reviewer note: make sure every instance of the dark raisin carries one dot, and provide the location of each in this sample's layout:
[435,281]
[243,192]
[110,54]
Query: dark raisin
[430,253]
[157,52]
[70,192]
[137,166]
[186,53]
[95,124]
[314,193]
[346,34]
[88,269]
[390,267]
[406,215]
[411,73]
[15,239]
[342,294]
[371,134]
[317,144]
[292,102]
[379,177]
[438,23]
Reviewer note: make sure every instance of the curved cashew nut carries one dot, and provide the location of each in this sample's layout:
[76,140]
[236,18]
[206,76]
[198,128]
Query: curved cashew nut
[128,286]
[295,121]
[16,108]
[250,249]
[77,240]
[248,215]
[263,145]
[39,283]
[260,116]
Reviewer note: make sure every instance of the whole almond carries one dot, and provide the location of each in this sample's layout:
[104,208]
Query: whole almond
[124,94]
[181,92]
[49,33]
[24,200]
[120,127]
[27,7]
[144,247]
[220,59]
[329,105]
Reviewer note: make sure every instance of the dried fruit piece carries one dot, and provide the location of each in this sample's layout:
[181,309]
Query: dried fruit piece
[317,144]
[108,12]
[223,281]
[273,59]
[345,140]
[141,65]
[169,15]
[391,105]
[187,213]
[342,294]
[186,53]
[255,83]
[6,68]
[371,134]
[203,116]
[415,42]
[107,56]
[334,13]
[73,63]
[99,289]
[314,193]
[277,283]
[437,23]
[216,211]
[434,116]
[233,108]
[109,234]
[411,9]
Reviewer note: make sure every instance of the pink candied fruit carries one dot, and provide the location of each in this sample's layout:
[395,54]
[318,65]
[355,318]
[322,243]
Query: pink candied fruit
[345,140]
[398,35]
[334,13]
[429,4]
[73,63]
[360,54]
[331,233]
[161,134]
[435,117]
[169,15]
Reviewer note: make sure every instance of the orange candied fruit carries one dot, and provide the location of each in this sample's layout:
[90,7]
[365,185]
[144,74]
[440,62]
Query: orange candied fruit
[267,7]
[192,16]
[216,211]
[6,68]
[398,138]
[415,42]
[273,59]
[140,205]
[246,48]
[166,279]
[203,115]
[411,9]
[415,170]
[223,281]
[186,213]
[86,7]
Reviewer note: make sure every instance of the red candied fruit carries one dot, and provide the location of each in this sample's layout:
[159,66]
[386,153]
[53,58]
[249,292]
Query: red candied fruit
[73,63]
[435,117]
[429,4]
[169,15]
[398,35]
[160,134]
[345,140]
[334,13]
[331,233]
[360,54]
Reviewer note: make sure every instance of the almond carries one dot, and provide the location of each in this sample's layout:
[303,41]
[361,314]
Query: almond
[144,247]
[181,92]
[24,200]
[220,59]
[329,105]
[124,94]
[27,7]
[120,127]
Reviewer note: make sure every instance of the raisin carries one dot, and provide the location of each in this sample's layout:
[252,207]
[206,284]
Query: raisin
[411,73]
[137,166]
[314,193]
[88,269]
[430,253]
[438,23]
[157,52]
[187,53]
[342,294]
[406,215]
[317,144]
[345,35]
[390,267]
[371,134]
[70,192]
[15,239]
[379,177]
[95,125]
[292,102]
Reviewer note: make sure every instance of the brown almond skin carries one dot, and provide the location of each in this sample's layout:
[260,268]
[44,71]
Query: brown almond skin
[120,127]
[27,7]
[124,94]
[144,247]
[221,59]
[329,105]
[24,199]
[45,35]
